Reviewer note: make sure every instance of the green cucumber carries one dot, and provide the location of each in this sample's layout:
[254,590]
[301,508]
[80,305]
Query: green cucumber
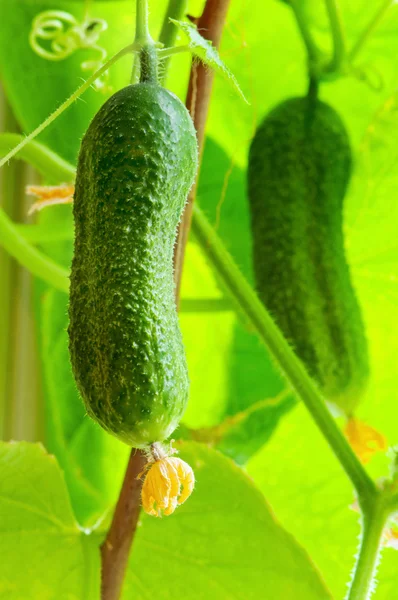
[136,165]
[299,168]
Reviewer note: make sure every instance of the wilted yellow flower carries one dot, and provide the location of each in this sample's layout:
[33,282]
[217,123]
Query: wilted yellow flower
[364,439]
[168,482]
[50,195]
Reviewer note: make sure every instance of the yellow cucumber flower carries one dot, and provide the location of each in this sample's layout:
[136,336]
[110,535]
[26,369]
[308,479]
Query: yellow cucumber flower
[168,483]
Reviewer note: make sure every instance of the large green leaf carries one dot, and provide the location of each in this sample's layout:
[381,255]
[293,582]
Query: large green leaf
[222,543]
[43,552]
[302,478]
[199,552]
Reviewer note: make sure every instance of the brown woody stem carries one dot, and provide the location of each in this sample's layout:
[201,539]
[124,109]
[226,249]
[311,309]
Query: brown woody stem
[210,26]
[116,548]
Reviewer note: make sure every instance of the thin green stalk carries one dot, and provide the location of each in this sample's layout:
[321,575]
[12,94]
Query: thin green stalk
[362,583]
[19,373]
[145,63]
[205,305]
[142,35]
[54,168]
[167,52]
[369,29]
[40,233]
[31,258]
[339,46]
[295,372]
[67,103]
[87,6]
[176,9]
[49,164]
[302,24]
[7,285]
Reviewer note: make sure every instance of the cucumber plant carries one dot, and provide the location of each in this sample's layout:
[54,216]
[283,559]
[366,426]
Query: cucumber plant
[136,164]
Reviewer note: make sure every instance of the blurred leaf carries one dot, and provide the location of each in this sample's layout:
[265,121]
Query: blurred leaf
[251,375]
[313,498]
[43,552]
[246,432]
[207,338]
[200,552]
[371,221]
[300,476]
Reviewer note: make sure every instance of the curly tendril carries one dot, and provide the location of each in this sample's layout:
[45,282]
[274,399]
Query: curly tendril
[56,35]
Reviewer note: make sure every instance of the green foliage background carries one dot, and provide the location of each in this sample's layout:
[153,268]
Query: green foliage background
[224,542]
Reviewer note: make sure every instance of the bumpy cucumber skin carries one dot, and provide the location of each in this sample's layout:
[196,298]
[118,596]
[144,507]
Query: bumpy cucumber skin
[136,165]
[299,169]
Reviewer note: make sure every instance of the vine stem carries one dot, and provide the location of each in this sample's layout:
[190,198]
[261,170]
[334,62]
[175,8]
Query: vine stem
[374,520]
[142,35]
[368,31]
[339,46]
[167,52]
[54,168]
[31,258]
[176,9]
[293,369]
[210,25]
[302,24]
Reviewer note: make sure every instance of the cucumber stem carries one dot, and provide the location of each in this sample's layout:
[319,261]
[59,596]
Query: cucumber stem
[147,58]
[165,53]
[374,521]
[142,35]
[313,88]
[54,168]
[339,47]
[176,9]
[31,258]
[148,65]
[257,315]
[313,52]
